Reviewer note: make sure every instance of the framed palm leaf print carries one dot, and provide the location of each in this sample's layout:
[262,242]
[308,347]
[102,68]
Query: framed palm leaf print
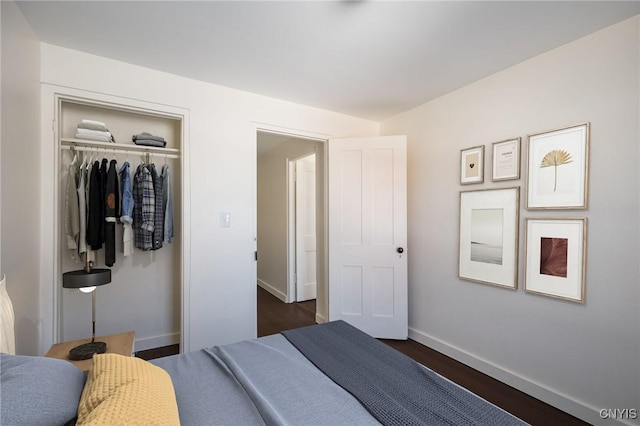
[558,169]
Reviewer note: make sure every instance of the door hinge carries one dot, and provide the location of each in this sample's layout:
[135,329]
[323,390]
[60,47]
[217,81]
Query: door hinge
[255,255]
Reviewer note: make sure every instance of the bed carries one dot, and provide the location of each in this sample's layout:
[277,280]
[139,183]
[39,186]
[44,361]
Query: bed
[326,374]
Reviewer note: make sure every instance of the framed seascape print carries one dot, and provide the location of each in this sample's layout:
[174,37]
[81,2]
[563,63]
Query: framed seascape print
[558,168]
[555,258]
[506,160]
[488,251]
[472,165]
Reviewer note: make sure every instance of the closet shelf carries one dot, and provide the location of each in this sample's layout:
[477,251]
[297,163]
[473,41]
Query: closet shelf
[119,147]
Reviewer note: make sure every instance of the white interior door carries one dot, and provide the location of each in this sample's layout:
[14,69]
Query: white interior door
[306,228]
[368,234]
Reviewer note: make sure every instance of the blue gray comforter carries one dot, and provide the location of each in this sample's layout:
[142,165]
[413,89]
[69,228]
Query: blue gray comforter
[269,381]
[254,382]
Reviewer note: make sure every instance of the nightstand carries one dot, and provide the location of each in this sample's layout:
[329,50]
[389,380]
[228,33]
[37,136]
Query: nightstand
[121,343]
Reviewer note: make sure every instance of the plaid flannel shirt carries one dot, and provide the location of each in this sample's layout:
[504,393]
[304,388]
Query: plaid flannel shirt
[144,208]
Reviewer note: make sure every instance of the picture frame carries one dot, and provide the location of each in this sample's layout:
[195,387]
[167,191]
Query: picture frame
[558,168]
[472,165]
[488,236]
[555,258]
[506,160]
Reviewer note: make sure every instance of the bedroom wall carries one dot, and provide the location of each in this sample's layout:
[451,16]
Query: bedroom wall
[19,170]
[222,171]
[578,357]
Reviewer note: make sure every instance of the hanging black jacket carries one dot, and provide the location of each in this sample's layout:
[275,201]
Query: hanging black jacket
[111,213]
[103,187]
[96,218]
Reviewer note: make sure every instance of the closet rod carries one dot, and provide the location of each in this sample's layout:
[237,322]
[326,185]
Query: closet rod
[137,151]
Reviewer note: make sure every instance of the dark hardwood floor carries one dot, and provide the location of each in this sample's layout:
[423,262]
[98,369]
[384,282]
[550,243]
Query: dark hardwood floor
[158,352]
[275,316]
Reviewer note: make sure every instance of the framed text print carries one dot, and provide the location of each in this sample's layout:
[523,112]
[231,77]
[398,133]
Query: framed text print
[506,160]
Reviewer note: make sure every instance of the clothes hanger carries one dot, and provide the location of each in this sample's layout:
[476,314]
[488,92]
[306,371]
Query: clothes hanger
[89,158]
[75,155]
[94,156]
[83,163]
[83,160]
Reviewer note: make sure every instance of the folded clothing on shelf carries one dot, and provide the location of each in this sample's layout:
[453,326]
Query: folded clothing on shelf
[92,125]
[94,130]
[148,139]
[91,137]
[93,122]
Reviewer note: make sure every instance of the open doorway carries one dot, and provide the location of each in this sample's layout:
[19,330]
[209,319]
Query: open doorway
[279,233]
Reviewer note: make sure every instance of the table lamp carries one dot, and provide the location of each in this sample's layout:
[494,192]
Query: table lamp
[86,280]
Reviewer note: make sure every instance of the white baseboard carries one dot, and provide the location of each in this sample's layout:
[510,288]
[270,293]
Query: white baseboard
[271,289]
[156,341]
[550,396]
[320,318]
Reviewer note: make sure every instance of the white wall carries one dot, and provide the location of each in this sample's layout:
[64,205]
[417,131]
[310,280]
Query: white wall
[223,125]
[20,226]
[579,357]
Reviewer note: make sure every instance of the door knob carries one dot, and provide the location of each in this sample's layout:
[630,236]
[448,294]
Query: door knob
[400,250]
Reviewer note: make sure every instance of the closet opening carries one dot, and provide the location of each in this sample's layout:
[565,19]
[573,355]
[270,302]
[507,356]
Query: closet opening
[145,292]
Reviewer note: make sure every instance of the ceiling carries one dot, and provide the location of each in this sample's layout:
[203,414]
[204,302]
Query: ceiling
[369,59]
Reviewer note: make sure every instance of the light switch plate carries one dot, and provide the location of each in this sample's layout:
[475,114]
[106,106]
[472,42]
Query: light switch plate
[225,220]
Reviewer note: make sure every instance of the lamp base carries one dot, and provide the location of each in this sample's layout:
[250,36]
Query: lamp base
[86,350]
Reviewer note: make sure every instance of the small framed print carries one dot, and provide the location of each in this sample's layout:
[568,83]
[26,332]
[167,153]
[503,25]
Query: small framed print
[506,160]
[555,258]
[558,169]
[472,165]
[488,246]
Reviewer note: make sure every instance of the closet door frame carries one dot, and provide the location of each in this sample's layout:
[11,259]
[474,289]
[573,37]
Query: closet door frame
[52,98]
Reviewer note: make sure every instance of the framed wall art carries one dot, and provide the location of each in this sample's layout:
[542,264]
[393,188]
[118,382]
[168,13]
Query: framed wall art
[488,250]
[472,165]
[506,160]
[558,169]
[555,258]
